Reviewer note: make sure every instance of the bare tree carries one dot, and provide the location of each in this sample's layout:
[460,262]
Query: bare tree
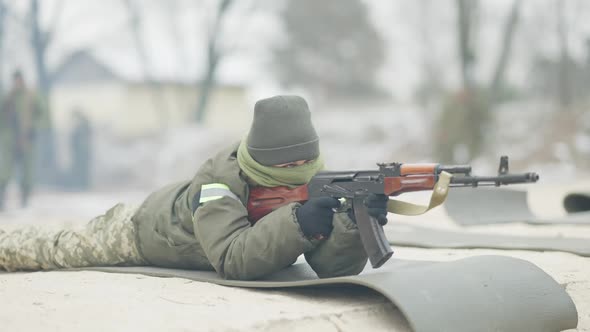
[466,114]
[431,84]
[565,89]
[333,49]
[505,50]
[3,10]
[467,15]
[135,27]
[563,76]
[213,57]
[171,10]
[41,39]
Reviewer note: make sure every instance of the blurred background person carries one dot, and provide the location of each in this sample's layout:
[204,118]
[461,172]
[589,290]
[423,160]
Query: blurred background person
[81,152]
[21,115]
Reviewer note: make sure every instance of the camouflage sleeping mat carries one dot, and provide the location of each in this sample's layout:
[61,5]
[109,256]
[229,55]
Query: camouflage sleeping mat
[499,206]
[481,293]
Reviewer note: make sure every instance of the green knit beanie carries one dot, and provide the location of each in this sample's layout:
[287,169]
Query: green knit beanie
[282,131]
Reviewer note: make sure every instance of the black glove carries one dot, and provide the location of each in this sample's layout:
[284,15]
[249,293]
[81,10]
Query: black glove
[315,216]
[376,206]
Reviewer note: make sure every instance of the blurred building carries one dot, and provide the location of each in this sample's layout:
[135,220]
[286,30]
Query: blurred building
[136,108]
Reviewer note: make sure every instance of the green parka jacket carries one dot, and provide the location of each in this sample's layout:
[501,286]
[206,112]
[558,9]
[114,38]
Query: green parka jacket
[220,237]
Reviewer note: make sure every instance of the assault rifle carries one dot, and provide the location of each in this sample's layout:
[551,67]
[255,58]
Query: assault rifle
[391,179]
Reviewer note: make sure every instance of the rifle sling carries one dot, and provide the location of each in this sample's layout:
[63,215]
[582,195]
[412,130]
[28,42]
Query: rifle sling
[439,194]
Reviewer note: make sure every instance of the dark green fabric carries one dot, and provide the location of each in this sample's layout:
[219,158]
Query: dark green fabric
[342,254]
[222,238]
[282,131]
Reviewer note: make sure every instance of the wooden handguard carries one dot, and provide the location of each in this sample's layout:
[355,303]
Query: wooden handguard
[413,169]
[403,184]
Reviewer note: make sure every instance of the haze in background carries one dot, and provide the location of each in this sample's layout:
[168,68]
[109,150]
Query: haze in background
[140,93]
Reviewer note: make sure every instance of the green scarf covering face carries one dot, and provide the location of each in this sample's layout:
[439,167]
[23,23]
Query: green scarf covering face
[269,176]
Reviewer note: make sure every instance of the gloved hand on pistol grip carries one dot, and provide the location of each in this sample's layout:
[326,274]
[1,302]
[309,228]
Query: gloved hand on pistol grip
[376,207]
[315,216]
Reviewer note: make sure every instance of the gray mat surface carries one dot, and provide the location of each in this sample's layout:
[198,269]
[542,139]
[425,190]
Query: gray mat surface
[415,236]
[498,206]
[482,293]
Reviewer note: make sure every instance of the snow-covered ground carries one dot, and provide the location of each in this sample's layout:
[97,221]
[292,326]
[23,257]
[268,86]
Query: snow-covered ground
[126,171]
[92,301]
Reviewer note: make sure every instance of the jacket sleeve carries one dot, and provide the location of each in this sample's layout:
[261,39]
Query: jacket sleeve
[342,253]
[238,250]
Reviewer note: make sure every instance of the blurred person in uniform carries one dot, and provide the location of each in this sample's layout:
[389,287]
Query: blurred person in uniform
[81,151]
[20,119]
[460,127]
[203,223]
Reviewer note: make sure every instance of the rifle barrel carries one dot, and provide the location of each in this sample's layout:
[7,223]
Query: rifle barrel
[454,169]
[495,180]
